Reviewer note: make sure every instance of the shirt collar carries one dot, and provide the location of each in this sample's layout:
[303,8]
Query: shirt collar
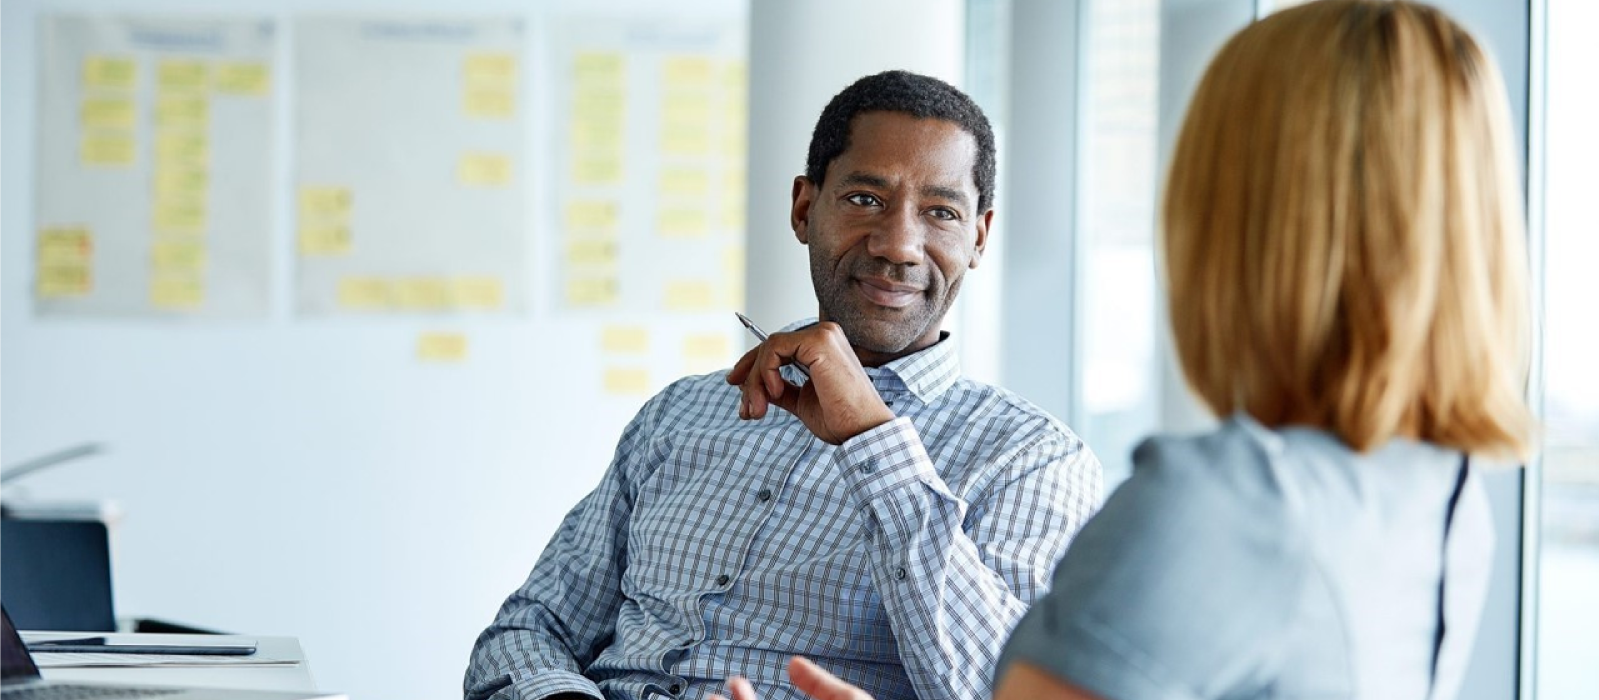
[926,373]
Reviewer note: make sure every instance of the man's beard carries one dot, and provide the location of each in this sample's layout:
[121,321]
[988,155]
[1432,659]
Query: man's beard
[888,331]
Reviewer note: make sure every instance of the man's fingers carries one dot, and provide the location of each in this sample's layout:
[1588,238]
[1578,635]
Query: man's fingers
[741,689]
[816,682]
[741,368]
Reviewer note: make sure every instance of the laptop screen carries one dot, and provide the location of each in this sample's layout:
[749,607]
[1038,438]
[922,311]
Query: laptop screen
[17,663]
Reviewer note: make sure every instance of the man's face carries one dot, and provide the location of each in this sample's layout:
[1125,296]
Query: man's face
[892,230]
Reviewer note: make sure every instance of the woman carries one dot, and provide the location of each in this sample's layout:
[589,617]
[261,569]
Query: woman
[1345,272]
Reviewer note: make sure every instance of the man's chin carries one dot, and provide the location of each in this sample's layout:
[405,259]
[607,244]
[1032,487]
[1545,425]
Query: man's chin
[881,337]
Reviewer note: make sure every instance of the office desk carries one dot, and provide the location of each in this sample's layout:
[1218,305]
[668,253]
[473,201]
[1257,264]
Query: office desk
[295,677]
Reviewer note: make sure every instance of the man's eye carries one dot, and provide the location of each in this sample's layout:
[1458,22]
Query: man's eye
[863,199]
[945,214]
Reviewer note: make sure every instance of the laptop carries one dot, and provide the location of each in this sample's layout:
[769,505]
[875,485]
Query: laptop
[21,681]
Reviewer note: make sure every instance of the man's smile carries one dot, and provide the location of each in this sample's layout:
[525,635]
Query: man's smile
[888,293]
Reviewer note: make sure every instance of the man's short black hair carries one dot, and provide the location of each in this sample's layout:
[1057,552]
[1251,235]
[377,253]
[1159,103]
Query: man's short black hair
[917,95]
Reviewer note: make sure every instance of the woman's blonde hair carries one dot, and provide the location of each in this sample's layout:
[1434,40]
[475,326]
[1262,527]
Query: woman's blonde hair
[1342,231]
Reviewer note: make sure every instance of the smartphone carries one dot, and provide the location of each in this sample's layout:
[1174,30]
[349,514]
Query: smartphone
[102,645]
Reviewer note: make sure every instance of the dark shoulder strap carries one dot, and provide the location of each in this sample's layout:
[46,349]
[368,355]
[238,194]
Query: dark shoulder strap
[1449,519]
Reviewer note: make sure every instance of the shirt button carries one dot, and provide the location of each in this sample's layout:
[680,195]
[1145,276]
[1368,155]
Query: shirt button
[723,579]
[869,466]
[889,403]
[899,573]
[764,495]
[675,689]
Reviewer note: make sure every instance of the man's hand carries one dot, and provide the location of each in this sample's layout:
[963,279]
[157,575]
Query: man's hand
[809,678]
[838,403]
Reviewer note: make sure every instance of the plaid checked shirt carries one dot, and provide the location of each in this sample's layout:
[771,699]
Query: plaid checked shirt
[715,547]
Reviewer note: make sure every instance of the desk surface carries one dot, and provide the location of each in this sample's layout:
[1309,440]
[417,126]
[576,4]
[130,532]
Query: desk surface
[290,677]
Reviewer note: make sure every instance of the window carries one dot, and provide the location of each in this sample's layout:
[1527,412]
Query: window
[1568,611]
[1119,191]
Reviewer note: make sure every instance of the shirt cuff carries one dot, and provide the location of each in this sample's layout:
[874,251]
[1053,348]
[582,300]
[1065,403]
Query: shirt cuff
[887,457]
[549,682]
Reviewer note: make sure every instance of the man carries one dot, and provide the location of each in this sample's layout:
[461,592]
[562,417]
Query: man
[892,521]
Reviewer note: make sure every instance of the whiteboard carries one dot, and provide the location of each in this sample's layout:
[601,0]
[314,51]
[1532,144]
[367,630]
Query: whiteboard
[316,475]
[155,139]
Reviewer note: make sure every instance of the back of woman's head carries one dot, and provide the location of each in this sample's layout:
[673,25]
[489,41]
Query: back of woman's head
[1342,231]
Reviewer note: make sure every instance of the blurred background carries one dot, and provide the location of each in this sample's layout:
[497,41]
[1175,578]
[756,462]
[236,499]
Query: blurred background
[342,304]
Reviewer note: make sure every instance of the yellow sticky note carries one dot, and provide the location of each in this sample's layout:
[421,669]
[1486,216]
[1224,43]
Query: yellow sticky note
[598,169]
[485,293]
[364,293]
[178,255]
[597,136]
[324,239]
[182,111]
[627,380]
[57,281]
[686,139]
[686,108]
[325,203]
[689,295]
[706,346]
[108,73]
[625,340]
[598,106]
[107,148]
[177,291]
[179,214]
[705,352]
[736,78]
[603,67]
[682,222]
[421,293]
[484,170]
[65,245]
[591,252]
[175,181]
[186,149]
[687,70]
[684,182]
[244,78]
[591,291]
[107,113]
[489,103]
[441,347]
[490,69]
[181,74]
[587,215]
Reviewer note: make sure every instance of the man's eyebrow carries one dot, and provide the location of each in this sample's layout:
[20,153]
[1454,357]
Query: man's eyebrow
[860,178]
[950,193]
[866,179]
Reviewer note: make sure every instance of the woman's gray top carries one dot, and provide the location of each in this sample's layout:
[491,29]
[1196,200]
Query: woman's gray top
[1257,563]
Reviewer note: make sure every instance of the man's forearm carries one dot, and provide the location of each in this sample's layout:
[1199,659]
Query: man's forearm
[942,585]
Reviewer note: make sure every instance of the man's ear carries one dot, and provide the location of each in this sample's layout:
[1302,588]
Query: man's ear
[983,223]
[799,215]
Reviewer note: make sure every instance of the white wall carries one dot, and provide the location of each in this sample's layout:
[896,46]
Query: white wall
[310,478]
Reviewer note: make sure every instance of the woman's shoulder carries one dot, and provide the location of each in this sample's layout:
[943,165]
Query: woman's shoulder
[1237,465]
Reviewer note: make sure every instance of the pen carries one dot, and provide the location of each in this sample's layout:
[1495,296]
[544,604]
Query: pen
[761,336]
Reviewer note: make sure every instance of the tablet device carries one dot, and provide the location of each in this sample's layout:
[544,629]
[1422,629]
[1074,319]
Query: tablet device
[102,645]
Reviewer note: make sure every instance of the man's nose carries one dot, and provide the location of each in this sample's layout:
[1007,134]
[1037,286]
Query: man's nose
[898,238]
